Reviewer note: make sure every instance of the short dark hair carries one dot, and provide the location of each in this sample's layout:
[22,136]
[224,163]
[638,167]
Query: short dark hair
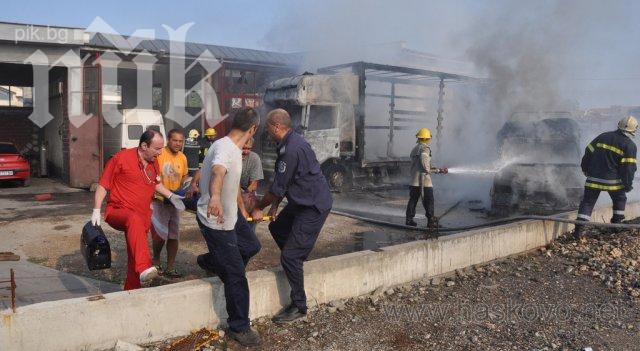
[245,118]
[174,131]
[147,136]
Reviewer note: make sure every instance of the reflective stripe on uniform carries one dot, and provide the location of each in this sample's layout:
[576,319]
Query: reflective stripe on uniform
[604,181]
[590,147]
[618,213]
[610,148]
[585,217]
[628,160]
[603,187]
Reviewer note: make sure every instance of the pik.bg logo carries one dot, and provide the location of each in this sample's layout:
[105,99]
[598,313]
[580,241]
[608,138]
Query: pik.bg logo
[143,61]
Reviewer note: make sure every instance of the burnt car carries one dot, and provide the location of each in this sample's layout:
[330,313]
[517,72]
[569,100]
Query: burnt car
[13,166]
[542,174]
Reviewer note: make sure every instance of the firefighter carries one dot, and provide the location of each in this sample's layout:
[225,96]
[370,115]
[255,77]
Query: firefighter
[209,138]
[191,150]
[609,162]
[421,185]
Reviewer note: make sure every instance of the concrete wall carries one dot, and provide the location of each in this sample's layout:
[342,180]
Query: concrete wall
[157,313]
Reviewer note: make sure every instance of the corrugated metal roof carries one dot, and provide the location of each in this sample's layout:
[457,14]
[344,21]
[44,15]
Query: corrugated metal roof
[110,41]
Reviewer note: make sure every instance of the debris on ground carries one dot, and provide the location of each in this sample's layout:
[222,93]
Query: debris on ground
[126,346]
[608,255]
[9,256]
[44,197]
[204,339]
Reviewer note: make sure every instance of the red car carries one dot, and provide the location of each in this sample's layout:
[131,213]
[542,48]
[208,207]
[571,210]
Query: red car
[12,165]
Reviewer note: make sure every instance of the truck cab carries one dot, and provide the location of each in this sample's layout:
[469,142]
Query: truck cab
[322,110]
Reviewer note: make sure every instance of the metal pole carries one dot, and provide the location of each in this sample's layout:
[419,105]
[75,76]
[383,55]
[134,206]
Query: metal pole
[392,106]
[440,111]
[13,291]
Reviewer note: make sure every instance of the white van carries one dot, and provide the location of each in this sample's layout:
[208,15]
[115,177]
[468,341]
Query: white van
[127,134]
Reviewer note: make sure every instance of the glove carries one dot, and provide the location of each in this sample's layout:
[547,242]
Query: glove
[628,188]
[95,217]
[176,201]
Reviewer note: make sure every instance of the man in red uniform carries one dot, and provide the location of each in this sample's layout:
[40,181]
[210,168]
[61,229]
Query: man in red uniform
[131,177]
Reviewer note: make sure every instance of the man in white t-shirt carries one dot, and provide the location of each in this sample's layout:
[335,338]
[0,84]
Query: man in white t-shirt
[218,218]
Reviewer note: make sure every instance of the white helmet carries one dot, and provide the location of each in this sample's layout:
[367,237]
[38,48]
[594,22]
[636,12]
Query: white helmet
[628,124]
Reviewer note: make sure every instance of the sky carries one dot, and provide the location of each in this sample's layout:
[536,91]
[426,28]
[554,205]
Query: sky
[586,48]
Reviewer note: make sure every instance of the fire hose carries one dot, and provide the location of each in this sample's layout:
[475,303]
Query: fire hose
[490,223]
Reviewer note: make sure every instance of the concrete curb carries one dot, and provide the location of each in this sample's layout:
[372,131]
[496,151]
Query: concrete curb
[152,314]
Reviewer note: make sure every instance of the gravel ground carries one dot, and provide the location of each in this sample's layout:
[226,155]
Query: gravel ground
[568,296]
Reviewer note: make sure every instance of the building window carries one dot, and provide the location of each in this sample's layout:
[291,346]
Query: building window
[111,94]
[156,96]
[194,100]
[240,82]
[90,98]
[12,96]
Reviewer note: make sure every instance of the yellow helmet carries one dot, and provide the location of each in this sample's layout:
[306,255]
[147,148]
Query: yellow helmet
[423,133]
[193,134]
[210,132]
[628,124]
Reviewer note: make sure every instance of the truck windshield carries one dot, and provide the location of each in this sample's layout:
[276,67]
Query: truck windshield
[322,117]
[134,131]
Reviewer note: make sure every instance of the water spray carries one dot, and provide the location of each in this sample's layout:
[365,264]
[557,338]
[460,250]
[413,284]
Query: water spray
[479,170]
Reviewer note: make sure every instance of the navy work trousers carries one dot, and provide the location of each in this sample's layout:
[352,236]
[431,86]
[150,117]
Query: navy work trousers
[590,197]
[295,231]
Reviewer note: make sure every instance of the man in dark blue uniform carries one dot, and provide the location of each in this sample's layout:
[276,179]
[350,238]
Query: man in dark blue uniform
[609,162]
[296,228]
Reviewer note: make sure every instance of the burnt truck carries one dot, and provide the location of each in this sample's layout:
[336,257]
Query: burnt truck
[360,118]
[542,175]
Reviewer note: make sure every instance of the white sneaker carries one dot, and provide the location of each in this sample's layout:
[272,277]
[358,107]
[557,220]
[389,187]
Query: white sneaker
[148,274]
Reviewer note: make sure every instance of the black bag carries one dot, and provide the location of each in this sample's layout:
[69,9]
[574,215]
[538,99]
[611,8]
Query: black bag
[95,247]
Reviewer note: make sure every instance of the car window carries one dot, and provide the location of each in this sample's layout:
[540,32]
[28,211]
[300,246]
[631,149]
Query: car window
[8,149]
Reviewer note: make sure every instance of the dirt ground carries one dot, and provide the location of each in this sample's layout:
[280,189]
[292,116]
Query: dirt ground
[48,233]
[569,296]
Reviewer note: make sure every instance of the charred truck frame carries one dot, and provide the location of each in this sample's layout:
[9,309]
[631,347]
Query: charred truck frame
[360,118]
[541,150]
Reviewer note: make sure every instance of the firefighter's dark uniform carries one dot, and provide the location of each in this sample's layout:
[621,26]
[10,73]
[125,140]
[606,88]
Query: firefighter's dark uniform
[295,230]
[192,151]
[204,148]
[609,162]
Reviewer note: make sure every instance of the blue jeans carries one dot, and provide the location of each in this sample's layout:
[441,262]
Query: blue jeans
[230,251]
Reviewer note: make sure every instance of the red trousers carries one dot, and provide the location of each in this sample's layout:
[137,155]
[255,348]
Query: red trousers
[135,227]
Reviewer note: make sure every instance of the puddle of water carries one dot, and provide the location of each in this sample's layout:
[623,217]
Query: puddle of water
[374,241]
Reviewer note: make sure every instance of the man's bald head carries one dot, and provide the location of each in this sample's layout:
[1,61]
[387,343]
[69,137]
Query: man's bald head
[279,116]
[278,124]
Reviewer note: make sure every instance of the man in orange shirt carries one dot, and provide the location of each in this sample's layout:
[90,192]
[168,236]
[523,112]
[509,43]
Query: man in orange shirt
[165,220]
[131,177]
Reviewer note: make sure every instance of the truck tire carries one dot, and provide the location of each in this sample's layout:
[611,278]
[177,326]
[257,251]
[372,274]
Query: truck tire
[337,177]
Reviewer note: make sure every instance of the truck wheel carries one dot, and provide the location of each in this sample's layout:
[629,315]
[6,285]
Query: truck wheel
[337,178]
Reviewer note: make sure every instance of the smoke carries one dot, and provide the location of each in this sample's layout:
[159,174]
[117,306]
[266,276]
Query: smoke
[563,55]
